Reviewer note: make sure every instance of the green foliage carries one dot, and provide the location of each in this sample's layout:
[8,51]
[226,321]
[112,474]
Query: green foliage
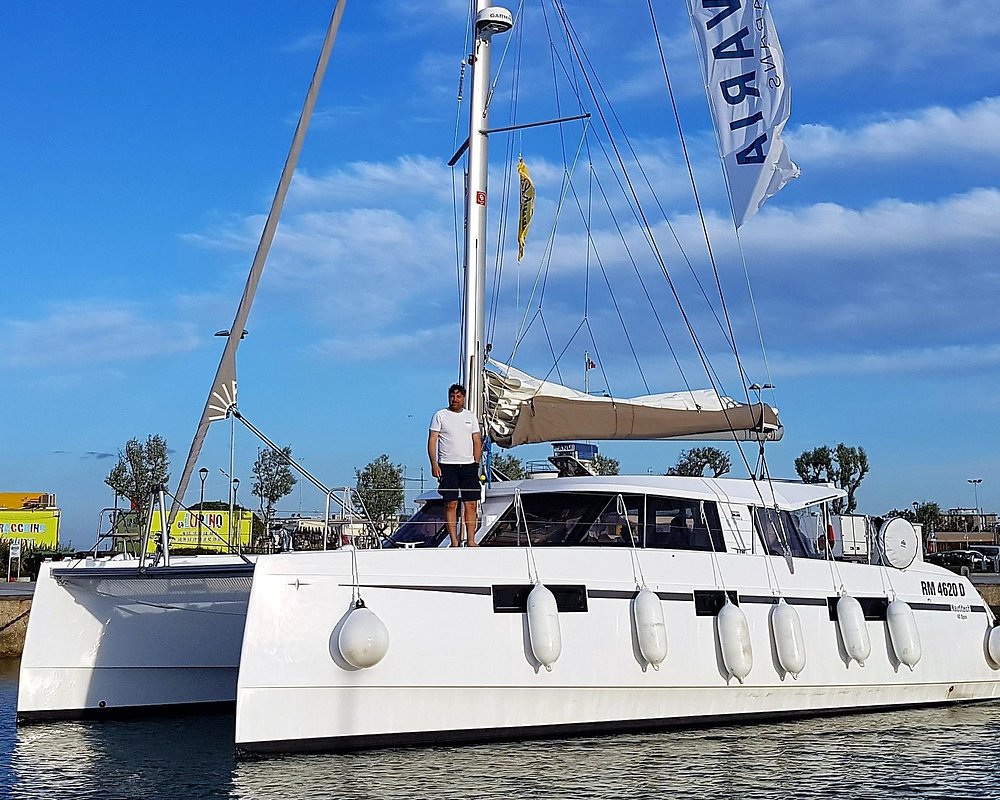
[843,466]
[380,486]
[507,467]
[693,462]
[929,515]
[272,478]
[604,465]
[815,466]
[141,466]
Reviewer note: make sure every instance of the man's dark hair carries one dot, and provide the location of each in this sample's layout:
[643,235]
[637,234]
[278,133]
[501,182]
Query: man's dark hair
[456,387]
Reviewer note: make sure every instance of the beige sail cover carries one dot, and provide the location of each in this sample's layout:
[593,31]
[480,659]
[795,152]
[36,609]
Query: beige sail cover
[521,409]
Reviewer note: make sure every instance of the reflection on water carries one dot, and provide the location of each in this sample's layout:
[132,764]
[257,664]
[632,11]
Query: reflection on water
[934,753]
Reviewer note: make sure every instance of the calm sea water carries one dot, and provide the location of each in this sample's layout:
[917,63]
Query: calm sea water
[935,753]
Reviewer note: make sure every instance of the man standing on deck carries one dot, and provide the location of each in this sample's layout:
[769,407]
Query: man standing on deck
[455,445]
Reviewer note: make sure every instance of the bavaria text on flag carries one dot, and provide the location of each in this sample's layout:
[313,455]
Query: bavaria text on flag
[527,206]
[749,97]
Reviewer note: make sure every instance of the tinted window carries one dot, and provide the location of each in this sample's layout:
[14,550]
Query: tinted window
[617,524]
[551,519]
[683,524]
[802,530]
[424,529]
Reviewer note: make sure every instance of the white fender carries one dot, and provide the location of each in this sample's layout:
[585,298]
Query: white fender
[650,629]
[903,633]
[734,637]
[853,629]
[543,626]
[363,639]
[788,641]
[993,644]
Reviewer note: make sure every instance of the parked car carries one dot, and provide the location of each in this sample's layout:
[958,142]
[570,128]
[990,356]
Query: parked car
[964,562]
[992,553]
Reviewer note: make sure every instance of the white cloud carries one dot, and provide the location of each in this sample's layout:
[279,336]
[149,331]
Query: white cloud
[936,360]
[363,182]
[372,346]
[940,133]
[900,36]
[93,332]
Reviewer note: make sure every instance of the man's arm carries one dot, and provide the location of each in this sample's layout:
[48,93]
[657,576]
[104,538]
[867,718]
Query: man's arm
[477,446]
[432,453]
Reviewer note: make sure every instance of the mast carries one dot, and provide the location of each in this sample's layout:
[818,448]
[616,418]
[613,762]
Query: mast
[489,20]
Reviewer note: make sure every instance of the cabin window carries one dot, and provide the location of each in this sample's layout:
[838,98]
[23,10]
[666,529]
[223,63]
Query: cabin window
[683,524]
[426,528]
[617,524]
[802,529]
[552,519]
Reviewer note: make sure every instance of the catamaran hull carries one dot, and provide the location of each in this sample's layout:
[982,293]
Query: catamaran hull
[106,639]
[460,664]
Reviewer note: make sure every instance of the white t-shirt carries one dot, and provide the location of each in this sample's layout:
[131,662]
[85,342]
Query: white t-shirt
[455,431]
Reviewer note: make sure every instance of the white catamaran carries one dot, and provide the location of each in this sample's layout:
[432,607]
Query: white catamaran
[609,603]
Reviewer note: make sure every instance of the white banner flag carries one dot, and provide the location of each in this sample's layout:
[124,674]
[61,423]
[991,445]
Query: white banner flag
[749,97]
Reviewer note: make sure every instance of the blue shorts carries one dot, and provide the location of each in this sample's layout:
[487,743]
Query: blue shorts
[459,482]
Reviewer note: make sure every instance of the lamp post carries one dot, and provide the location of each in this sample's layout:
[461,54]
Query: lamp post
[202,473]
[975,489]
[232,507]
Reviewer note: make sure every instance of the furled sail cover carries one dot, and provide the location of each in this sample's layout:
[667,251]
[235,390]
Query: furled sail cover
[521,409]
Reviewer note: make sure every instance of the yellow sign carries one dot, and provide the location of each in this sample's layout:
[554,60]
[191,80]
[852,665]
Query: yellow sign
[207,530]
[34,529]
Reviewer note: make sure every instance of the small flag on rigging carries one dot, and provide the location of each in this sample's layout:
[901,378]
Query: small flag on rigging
[527,206]
[591,364]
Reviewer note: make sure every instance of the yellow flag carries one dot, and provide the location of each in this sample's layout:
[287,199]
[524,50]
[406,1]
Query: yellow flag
[527,206]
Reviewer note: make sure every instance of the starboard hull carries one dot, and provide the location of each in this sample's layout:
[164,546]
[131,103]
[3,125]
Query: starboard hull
[460,666]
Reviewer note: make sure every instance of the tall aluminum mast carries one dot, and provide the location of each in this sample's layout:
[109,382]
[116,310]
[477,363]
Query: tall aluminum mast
[489,20]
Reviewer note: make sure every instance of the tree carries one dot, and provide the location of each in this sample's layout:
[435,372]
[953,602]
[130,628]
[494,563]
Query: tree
[852,466]
[380,486]
[694,461]
[929,515]
[926,514]
[843,466]
[141,467]
[815,466]
[604,465]
[272,478]
[507,467]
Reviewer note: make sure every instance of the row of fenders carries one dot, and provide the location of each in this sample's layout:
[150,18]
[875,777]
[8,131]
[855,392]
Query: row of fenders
[364,639]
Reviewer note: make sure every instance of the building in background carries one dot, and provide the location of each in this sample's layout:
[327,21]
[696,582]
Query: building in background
[31,518]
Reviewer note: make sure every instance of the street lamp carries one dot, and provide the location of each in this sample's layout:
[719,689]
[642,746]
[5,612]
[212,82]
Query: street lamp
[202,473]
[975,488]
[232,506]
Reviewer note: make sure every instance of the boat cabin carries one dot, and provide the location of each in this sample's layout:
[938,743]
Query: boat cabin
[664,512]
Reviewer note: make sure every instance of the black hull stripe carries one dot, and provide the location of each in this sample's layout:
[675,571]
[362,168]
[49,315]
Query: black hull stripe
[128,712]
[621,594]
[475,736]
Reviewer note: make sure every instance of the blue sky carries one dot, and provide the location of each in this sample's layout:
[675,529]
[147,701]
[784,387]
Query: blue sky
[142,145]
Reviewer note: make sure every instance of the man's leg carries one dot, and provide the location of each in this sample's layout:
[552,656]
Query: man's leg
[469,519]
[451,520]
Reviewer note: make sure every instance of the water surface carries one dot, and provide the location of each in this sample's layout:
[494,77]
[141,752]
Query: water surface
[932,753]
